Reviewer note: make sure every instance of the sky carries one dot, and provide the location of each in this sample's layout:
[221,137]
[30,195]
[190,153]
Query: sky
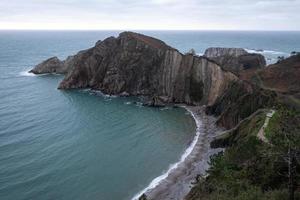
[150,14]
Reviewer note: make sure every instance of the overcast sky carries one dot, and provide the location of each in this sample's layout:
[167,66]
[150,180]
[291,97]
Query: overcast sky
[151,14]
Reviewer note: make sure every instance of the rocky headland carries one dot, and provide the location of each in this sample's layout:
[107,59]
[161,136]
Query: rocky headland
[135,64]
[234,86]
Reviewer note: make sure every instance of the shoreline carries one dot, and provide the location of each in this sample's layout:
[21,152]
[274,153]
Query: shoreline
[177,181]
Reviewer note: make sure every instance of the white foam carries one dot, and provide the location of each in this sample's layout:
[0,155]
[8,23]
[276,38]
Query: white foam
[26,73]
[165,108]
[139,104]
[155,182]
[266,52]
[110,96]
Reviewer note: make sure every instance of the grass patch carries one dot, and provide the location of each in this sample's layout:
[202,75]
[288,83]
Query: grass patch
[273,125]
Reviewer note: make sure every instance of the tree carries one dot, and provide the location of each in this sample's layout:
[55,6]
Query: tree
[286,144]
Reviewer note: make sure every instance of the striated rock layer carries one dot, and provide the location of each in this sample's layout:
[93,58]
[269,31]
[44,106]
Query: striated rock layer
[239,102]
[235,59]
[136,64]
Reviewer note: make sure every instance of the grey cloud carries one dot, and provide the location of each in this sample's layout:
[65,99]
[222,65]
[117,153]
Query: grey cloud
[173,14]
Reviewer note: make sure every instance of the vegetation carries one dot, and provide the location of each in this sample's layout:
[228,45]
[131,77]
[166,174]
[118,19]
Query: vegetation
[253,170]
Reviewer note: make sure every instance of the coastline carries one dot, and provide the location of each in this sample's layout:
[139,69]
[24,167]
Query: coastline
[177,181]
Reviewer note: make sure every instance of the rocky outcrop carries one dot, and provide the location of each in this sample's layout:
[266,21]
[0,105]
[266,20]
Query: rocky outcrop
[213,52]
[235,59]
[239,102]
[55,65]
[52,65]
[136,64]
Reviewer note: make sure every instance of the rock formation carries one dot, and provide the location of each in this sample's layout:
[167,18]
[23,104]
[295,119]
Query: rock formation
[136,64]
[214,52]
[235,59]
[240,101]
[52,65]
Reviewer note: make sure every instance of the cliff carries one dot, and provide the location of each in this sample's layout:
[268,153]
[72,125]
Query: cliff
[213,52]
[252,167]
[240,101]
[136,64]
[235,59]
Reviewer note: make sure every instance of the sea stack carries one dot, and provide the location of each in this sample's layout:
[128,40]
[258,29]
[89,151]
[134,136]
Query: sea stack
[235,59]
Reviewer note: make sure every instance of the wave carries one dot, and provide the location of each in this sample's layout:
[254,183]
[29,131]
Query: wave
[165,108]
[155,182]
[26,73]
[262,51]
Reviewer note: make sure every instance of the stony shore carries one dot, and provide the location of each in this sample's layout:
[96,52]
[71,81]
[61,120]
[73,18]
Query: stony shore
[181,176]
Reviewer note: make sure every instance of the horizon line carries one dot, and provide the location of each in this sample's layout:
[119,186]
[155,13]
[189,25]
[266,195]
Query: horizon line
[242,30]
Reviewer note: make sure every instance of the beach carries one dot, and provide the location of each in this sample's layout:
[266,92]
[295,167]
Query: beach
[177,181]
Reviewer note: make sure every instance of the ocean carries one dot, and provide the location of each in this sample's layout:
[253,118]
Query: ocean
[81,144]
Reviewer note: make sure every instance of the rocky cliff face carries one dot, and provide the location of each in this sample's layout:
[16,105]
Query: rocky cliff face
[136,64]
[220,51]
[235,59]
[52,65]
[240,101]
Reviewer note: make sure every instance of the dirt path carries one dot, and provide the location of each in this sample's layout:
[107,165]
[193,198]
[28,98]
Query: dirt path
[261,132]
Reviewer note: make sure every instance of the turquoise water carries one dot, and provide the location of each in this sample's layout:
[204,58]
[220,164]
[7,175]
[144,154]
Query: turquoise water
[83,145]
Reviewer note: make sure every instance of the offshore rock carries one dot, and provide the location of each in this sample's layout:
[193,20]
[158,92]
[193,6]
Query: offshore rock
[235,59]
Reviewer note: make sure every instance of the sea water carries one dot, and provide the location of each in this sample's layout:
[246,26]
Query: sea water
[81,144]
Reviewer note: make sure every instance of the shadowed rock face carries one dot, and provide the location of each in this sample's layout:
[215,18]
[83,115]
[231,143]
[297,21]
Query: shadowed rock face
[239,101]
[52,65]
[136,64]
[235,59]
